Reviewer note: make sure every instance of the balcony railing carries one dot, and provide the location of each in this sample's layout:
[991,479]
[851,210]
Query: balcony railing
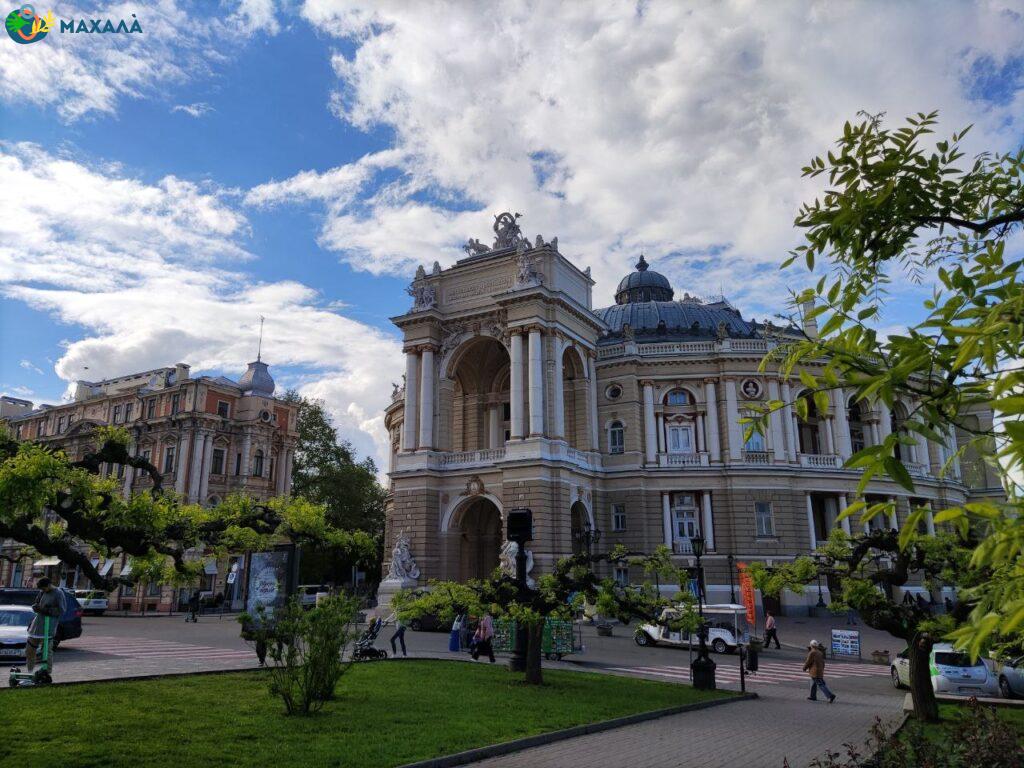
[485,456]
[820,461]
[682,546]
[683,460]
[757,457]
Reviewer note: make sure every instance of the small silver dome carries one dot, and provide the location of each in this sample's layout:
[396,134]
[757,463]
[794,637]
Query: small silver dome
[643,285]
[257,380]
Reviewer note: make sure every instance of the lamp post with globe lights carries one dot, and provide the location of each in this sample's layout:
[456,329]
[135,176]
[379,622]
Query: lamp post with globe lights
[702,668]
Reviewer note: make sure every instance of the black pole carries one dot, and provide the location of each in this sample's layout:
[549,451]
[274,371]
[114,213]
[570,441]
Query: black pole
[821,600]
[518,661]
[732,586]
[702,668]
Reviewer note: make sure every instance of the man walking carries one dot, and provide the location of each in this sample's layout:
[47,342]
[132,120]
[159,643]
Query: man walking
[770,633]
[814,665]
[193,607]
[48,603]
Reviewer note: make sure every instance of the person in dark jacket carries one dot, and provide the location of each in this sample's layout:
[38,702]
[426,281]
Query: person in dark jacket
[814,665]
[48,603]
[193,607]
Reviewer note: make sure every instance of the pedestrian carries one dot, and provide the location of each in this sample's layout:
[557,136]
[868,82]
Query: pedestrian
[48,603]
[483,638]
[814,665]
[193,607]
[455,637]
[770,632]
[851,616]
[399,633]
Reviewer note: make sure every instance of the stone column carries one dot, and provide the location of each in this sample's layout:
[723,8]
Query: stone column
[843,444]
[286,484]
[246,448]
[951,444]
[666,519]
[775,423]
[197,466]
[707,524]
[129,472]
[204,478]
[842,506]
[536,375]
[412,373]
[922,453]
[595,428]
[810,523]
[282,468]
[700,433]
[558,429]
[650,439]
[180,468]
[714,446]
[516,384]
[660,430]
[825,431]
[732,415]
[495,435]
[929,521]
[894,520]
[427,397]
[788,422]
[884,421]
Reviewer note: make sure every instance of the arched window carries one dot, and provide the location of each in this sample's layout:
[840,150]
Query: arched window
[855,418]
[678,397]
[755,443]
[616,438]
[257,464]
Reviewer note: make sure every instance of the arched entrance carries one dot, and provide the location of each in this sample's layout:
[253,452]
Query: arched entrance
[578,525]
[480,535]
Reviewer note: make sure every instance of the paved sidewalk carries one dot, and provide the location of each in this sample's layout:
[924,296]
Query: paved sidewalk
[780,725]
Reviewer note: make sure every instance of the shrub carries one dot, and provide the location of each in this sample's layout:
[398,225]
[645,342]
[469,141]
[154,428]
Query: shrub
[306,650]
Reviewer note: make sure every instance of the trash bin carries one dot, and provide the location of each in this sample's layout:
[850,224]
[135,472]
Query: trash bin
[752,650]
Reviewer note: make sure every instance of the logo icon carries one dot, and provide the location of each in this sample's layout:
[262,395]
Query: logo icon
[24,26]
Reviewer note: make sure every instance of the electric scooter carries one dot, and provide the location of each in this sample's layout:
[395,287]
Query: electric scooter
[41,675]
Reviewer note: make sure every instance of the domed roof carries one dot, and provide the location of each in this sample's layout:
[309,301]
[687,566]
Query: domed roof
[643,285]
[257,380]
[689,317]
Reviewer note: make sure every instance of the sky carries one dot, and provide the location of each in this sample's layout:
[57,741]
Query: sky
[160,191]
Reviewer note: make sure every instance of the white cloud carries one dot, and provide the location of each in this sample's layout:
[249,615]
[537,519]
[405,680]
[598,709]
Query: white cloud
[28,365]
[80,74]
[679,128]
[194,110]
[153,272]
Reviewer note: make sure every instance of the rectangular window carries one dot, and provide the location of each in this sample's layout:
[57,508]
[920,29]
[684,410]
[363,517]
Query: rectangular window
[17,432]
[223,409]
[117,413]
[618,517]
[680,439]
[616,438]
[151,408]
[622,576]
[175,403]
[218,461]
[128,590]
[169,459]
[147,454]
[238,464]
[755,443]
[120,471]
[60,424]
[153,590]
[763,519]
[128,411]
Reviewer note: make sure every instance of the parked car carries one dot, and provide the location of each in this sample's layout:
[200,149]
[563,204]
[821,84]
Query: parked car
[14,624]
[952,672]
[93,602]
[70,625]
[307,593]
[1011,678]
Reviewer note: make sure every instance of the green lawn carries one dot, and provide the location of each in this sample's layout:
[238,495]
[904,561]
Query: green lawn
[1012,715]
[386,714]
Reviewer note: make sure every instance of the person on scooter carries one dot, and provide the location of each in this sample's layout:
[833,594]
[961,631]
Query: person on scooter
[49,602]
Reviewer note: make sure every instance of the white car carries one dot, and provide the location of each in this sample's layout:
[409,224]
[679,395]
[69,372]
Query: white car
[724,632]
[952,672]
[307,593]
[14,623]
[92,601]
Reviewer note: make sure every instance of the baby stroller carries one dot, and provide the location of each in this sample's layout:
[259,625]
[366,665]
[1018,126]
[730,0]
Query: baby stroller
[364,649]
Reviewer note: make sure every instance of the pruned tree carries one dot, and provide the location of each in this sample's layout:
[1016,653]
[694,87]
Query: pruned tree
[64,508]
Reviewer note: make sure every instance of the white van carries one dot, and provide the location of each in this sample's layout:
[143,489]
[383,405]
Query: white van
[727,629]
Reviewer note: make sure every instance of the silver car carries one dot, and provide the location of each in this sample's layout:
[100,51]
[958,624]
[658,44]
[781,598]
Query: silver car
[93,602]
[14,623]
[1011,679]
[952,672]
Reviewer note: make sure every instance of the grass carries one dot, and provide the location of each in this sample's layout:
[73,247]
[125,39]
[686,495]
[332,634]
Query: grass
[385,714]
[1012,715]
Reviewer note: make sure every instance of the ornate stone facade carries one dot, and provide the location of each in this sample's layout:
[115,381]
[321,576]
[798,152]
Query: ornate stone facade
[627,419]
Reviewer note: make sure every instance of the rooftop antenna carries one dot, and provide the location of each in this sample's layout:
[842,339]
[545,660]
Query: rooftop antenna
[259,348]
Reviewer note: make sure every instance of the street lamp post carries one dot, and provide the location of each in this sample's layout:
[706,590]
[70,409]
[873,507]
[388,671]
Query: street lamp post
[818,561]
[519,528]
[702,668]
[732,587]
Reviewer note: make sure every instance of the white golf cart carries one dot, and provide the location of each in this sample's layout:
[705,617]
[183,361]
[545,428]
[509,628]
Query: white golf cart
[727,628]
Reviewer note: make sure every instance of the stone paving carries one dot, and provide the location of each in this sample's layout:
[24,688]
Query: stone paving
[780,725]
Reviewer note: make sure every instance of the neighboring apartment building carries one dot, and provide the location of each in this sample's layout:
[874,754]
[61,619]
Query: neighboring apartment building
[624,419]
[209,436]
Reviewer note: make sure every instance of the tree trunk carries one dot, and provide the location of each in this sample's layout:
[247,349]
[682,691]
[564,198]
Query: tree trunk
[926,706]
[534,640]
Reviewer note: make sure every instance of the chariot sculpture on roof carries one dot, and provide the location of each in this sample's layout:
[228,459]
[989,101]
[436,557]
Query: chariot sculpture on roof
[507,233]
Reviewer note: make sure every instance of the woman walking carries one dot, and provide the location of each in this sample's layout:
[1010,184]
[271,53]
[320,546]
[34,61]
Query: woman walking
[455,637]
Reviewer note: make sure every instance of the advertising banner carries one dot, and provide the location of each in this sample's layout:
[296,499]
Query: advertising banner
[747,591]
[268,581]
[845,642]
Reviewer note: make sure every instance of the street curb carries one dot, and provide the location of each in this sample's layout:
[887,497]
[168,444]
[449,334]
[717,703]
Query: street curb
[508,747]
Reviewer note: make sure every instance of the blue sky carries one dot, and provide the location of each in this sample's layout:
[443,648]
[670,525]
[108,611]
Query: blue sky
[300,159]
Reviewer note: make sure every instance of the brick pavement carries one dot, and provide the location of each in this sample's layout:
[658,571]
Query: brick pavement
[780,725]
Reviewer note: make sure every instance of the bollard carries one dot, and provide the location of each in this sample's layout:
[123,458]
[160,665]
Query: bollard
[743,678]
